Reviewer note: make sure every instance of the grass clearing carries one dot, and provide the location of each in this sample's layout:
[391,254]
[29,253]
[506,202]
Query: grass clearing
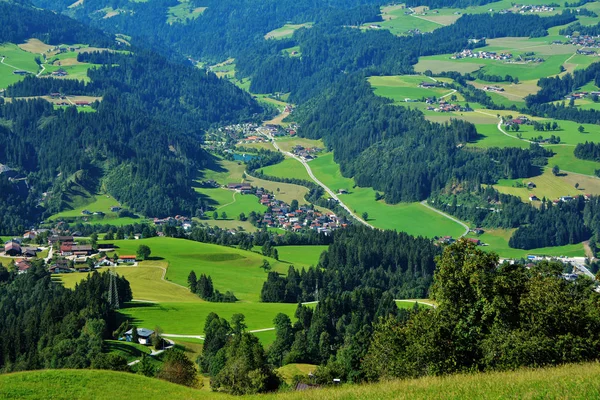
[287,143]
[567,161]
[286,31]
[300,256]
[287,372]
[399,88]
[131,351]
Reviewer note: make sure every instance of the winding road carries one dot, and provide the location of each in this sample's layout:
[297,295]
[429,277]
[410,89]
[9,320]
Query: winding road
[318,182]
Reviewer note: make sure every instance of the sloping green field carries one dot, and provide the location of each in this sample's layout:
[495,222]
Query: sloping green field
[574,381]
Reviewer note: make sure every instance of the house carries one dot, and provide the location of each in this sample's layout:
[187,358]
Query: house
[143,335]
[29,235]
[475,241]
[54,239]
[127,259]
[86,212]
[12,249]
[30,251]
[77,250]
[20,72]
[106,246]
[564,199]
[22,266]
[115,209]
[530,185]
[533,197]
[105,262]
[61,266]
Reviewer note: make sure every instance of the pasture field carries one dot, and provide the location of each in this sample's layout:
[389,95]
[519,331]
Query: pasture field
[566,160]
[551,187]
[409,304]
[408,217]
[93,203]
[258,145]
[223,172]
[7,77]
[397,22]
[286,31]
[287,191]
[146,283]
[230,202]
[288,168]
[490,136]
[287,143]
[266,338]
[399,88]
[75,71]
[230,268]
[230,223]
[169,304]
[18,58]
[183,12]
[551,66]
[497,239]
[573,381]
[300,256]
[189,318]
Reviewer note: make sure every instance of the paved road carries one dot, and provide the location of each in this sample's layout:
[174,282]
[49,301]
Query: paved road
[424,203]
[318,182]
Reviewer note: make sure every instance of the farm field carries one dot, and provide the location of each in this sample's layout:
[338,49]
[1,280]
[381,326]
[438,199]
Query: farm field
[223,172]
[566,160]
[575,381]
[286,31]
[399,88]
[497,239]
[182,12]
[288,168]
[399,23]
[97,202]
[287,191]
[170,305]
[300,256]
[409,217]
[288,143]
[551,187]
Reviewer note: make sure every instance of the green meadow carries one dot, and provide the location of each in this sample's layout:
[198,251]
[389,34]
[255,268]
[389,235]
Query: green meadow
[498,242]
[288,168]
[18,58]
[286,31]
[399,88]
[183,12]
[572,381]
[300,256]
[412,218]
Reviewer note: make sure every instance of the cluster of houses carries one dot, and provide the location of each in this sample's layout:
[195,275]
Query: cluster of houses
[430,85]
[178,220]
[307,153]
[450,239]
[562,199]
[493,89]
[490,55]
[282,216]
[520,120]
[60,73]
[583,41]
[444,106]
[581,95]
[527,8]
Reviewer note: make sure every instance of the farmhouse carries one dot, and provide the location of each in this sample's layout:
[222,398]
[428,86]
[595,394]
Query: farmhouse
[126,259]
[144,335]
[22,266]
[29,235]
[533,197]
[427,85]
[12,249]
[54,239]
[77,250]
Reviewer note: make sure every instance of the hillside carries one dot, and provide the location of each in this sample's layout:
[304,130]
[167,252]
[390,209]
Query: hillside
[575,381]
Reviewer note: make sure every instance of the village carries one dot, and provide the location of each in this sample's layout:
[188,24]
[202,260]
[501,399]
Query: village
[66,253]
[288,217]
[489,55]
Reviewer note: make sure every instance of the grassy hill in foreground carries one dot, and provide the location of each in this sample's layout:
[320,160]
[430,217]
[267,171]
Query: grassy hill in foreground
[576,381]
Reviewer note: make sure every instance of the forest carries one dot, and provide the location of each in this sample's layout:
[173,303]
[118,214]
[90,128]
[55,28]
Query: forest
[488,317]
[552,224]
[43,325]
[141,144]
